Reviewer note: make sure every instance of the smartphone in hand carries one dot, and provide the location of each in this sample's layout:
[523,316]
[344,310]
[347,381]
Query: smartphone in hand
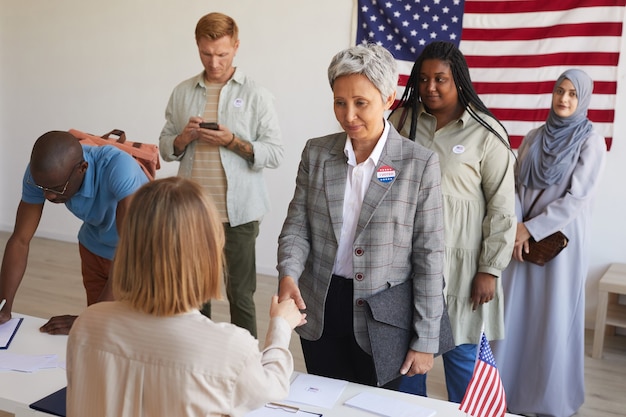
[210,125]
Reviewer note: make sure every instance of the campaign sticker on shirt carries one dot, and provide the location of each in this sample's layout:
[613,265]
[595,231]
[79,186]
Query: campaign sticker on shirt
[385,173]
[238,102]
[458,149]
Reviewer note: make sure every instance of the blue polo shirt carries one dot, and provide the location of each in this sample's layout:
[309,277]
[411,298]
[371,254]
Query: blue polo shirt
[111,176]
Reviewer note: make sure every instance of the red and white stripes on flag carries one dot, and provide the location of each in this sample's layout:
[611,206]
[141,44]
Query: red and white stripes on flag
[517,49]
[484,396]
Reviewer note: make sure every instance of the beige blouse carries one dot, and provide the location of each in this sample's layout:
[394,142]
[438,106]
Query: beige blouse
[121,362]
[478,187]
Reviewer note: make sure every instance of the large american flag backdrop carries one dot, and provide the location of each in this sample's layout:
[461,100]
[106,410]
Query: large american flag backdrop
[515,49]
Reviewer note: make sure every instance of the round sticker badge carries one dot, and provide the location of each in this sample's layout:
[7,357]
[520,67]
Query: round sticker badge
[458,149]
[238,102]
[385,173]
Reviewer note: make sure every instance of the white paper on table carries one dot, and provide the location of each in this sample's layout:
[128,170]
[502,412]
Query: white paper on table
[26,363]
[316,390]
[387,406]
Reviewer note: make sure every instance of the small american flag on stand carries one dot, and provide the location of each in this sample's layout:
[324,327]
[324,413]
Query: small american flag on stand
[484,396]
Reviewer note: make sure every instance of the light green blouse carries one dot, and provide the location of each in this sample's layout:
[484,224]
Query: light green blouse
[479,214]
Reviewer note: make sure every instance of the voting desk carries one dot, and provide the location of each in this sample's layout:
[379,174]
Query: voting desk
[442,408]
[18,390]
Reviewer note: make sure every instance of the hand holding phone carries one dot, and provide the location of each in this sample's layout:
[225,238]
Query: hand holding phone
[210,125]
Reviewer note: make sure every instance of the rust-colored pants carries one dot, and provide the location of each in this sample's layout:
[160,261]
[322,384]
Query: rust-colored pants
[95,271]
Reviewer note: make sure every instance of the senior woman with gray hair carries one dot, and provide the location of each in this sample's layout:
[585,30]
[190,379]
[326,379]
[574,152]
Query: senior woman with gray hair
[366,215]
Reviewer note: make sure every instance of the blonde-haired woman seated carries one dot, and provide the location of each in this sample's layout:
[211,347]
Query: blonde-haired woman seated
[151,352]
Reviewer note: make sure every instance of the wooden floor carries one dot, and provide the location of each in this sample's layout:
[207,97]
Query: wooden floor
[53,286]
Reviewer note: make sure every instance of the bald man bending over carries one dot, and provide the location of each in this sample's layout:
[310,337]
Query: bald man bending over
[95,184]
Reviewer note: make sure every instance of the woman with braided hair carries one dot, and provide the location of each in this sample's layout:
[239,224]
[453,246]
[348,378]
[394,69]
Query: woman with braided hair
[441,111]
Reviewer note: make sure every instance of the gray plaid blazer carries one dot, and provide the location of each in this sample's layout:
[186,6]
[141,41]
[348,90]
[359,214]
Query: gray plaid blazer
[399,234]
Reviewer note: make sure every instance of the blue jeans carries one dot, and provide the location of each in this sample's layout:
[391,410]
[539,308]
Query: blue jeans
[413,385]
[458,367]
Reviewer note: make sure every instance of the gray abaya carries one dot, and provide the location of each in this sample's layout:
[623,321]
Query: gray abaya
[541,359]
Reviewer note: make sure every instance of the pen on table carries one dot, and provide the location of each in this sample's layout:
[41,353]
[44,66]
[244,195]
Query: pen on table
[290,408]
[285,407]
[2,303]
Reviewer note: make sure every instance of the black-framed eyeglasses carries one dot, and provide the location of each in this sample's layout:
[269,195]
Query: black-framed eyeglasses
[55,191]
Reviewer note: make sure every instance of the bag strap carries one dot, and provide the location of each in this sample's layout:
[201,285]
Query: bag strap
[533,204]
[403,116]
[117,132]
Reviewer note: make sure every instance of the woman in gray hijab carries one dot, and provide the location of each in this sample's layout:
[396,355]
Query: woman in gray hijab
[541,359]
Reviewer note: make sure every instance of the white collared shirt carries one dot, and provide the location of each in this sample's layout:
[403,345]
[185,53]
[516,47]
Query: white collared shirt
[357,182]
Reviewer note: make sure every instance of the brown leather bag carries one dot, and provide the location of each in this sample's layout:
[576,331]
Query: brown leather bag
[547,248]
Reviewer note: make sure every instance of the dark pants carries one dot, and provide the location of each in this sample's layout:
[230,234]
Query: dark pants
[240,275]
[336,354]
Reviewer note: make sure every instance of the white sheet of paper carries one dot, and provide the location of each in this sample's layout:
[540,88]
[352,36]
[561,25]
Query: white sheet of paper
[316,390]
[7,329]
[387,406]
[26,363]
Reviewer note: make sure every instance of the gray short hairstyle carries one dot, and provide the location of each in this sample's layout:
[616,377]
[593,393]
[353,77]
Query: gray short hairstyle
[370,60]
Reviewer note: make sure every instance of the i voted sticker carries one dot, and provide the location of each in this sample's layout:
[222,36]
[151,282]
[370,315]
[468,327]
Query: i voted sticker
[238,102]
[458,149]
[385,173]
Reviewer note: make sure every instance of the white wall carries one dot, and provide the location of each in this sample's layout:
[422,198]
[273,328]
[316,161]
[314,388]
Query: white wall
[95,66]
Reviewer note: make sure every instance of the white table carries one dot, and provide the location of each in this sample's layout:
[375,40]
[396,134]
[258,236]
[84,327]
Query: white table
[443,408]
[19,389]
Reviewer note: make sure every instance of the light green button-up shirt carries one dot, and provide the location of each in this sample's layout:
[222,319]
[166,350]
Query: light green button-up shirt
[248,111]
[478,189]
